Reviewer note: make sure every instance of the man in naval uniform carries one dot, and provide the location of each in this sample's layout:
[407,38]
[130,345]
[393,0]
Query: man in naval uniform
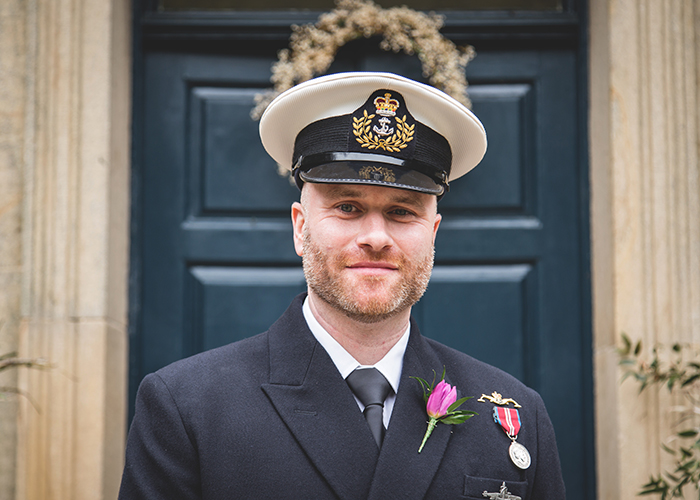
[322,405]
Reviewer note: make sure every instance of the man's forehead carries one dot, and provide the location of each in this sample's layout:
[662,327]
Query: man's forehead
[393,195]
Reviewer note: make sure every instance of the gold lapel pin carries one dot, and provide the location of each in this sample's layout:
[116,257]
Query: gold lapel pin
[497,399]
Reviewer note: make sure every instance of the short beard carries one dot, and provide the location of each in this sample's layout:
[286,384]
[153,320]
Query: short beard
[318,270]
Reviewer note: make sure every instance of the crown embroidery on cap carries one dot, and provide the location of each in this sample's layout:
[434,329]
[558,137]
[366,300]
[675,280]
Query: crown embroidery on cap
[386,106]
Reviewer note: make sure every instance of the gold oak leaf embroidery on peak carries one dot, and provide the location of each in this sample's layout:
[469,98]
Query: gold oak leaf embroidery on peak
[394,144]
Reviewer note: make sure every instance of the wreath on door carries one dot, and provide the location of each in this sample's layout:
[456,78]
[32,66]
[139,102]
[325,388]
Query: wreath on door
[313,47]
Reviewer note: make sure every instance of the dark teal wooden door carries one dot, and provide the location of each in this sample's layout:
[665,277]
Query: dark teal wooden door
[213,255]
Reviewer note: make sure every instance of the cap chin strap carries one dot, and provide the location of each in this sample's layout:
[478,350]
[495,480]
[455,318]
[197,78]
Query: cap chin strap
[304,163]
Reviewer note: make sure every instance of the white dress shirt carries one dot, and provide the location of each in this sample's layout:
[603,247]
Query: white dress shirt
[390,365]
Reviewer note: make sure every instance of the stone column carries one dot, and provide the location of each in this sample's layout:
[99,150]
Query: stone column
[12,113]
[75,232]
[645,216]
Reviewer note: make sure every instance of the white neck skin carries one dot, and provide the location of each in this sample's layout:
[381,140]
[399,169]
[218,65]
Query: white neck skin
[368,343]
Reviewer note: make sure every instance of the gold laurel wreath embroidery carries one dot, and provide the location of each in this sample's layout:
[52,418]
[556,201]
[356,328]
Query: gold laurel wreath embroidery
[394,144]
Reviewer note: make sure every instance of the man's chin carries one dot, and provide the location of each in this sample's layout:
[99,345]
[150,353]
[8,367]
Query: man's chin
[372,310]
[373,315]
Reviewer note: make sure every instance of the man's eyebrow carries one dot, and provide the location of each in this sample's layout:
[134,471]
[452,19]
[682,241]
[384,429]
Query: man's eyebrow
[409,199]
[400,197]
[343,191]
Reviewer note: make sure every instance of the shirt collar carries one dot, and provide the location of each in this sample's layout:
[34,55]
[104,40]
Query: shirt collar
[390,365]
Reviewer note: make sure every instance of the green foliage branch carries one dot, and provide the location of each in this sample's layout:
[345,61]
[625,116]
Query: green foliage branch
[671,369]
[10,360]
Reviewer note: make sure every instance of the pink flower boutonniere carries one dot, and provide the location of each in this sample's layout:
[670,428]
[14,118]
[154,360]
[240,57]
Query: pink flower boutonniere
[441,404]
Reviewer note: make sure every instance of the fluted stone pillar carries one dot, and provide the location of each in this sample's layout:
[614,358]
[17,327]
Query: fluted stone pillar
[12,108]
[75,232]
[645,217]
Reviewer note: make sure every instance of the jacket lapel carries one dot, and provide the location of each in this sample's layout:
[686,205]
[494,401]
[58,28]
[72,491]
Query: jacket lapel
[401,471]
[317,406]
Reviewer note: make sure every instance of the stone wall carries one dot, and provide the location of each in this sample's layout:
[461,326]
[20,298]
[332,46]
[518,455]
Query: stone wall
[12,127]
[645,216]
[73,99]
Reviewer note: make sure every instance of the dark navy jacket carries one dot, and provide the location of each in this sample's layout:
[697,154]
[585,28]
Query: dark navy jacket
[270,417]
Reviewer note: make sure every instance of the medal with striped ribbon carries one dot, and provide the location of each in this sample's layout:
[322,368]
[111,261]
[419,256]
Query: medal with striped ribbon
[509,420]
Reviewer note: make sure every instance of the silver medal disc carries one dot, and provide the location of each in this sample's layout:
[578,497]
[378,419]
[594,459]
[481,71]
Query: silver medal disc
[519,455]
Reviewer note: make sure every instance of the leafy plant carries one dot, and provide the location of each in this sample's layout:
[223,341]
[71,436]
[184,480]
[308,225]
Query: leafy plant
[679,376]
[10,360]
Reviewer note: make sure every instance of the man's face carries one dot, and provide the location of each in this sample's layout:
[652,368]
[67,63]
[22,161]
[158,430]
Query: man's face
[367,250]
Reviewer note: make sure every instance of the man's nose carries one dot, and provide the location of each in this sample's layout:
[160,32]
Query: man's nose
[374,232]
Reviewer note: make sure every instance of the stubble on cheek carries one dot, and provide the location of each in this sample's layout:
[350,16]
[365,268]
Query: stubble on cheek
[368,299]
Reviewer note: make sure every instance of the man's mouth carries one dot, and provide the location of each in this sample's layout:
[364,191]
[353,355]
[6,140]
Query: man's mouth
[372,266]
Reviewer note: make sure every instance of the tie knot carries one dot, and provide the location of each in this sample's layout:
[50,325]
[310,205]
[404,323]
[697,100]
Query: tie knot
[369,385]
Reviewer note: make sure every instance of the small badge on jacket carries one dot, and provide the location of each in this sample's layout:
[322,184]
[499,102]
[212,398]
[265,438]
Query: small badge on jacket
[503,494]
[497,399]
[509,420]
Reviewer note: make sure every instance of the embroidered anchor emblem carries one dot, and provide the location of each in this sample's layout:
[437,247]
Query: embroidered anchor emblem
[497,399]
[385,129]
[503,494]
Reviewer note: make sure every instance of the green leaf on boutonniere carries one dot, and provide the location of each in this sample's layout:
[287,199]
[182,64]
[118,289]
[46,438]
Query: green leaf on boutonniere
[441,404]
[457,404]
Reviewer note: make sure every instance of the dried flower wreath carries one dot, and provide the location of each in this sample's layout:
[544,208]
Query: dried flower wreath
[313,47]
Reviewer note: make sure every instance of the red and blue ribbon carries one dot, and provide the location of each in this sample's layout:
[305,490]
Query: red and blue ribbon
[508,419]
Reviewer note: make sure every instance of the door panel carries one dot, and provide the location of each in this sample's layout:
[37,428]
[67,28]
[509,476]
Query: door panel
[464,298]
[499,182]
[216,246]
[231,304]
[228,163]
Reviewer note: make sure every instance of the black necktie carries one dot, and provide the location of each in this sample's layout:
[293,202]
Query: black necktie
[371,388]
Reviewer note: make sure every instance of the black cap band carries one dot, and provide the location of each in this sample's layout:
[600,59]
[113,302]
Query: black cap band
[305,163]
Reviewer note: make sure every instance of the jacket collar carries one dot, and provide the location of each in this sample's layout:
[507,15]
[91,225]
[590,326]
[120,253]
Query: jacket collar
[318,407]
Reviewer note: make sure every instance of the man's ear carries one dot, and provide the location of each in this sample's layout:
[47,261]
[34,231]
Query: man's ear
[436,224]
[298,221]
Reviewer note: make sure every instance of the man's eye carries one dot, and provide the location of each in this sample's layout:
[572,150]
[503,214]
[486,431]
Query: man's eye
[401,212]
[346,207]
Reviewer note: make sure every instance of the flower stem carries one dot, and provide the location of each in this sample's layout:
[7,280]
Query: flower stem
[431,425]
